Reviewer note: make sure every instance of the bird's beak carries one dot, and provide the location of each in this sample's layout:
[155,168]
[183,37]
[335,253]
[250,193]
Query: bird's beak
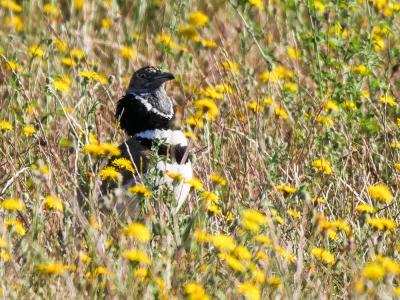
[165,76]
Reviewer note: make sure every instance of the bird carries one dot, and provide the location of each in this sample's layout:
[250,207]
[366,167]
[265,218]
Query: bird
[146,114]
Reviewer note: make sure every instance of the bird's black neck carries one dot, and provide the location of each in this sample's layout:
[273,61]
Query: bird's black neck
[140,110]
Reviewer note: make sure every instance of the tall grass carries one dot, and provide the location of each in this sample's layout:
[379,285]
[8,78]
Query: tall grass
[298,125]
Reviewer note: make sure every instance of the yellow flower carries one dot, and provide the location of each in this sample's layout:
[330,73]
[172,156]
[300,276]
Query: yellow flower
[68,62]
[319,200]
[128,52]
[105,23]
[217,179]
[141,273]
[290,87]
[341,225]
[331,106]
[53,203]
[11,5]
[285,254]
[17,226]
[294,213]
[85,257]
[249,290]
[212,92]
[12,204]
[366,208]
[36,50]
[365,94]
[274,281]
[175,176]
[388,263]
[166,40]
[230,65]
[381,193]
[93,222]
[137,231]
[189,32]
[349,105]
[267,101]
[77,53]
[60,44]
[252,219]
[231,261]
[229,217]
[282,72]
[195,291]
[322,165]
[13,66]
[4,255]
[29,130]
[286,188]
[137,256]
[223,242]
[78,4]
[51,10]
[267,76]
[396,165]
[327,121]
[208,43]
[255,107]
[395,145]
[62,84]
[293,53]
[94,76]
[211,207]
[281,113]
[110,149]
[263,239]
[93,139]
[201,236]
[373,271]
[5,125]
[379,44]
[195,183]
[110,174]
[15,22]
[52,268]
[198,19]
[382,223]
[94,149]
[389,100]
[323,255]
[123,164]
[261,255]
[141,190]
[195,121]
[224,88]
[319,6]
[258,275]
[100,271]
[209,196]
[242,253]
[257,3]
[3,243]
[360,69]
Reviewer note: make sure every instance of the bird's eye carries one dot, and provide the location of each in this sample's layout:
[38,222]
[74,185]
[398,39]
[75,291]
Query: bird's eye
[141,75]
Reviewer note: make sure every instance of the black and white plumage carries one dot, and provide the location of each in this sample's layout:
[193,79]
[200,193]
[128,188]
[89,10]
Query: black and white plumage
[145,113]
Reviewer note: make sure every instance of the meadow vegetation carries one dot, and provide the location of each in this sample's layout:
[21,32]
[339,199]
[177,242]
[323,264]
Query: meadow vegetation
[292,114]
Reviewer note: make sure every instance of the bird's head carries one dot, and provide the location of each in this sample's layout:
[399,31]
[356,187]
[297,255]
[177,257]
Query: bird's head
[148,78]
